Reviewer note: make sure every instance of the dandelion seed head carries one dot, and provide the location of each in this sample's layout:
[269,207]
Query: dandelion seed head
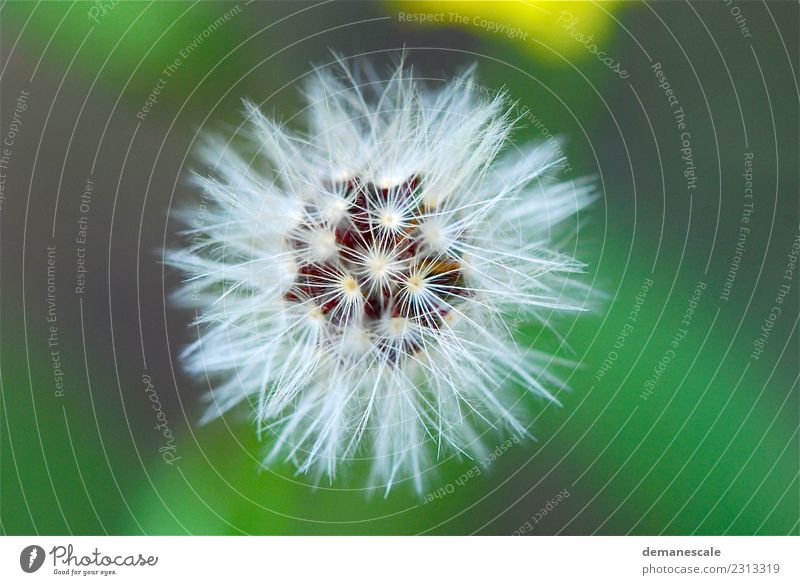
[360,290]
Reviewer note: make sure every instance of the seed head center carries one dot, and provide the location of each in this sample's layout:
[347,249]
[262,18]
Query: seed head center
[389,220]
[378,265]
[350,286]
[415,282]
[398,326]
[371,264]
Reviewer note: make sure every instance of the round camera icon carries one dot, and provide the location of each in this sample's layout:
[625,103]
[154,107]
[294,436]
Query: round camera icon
[31,558]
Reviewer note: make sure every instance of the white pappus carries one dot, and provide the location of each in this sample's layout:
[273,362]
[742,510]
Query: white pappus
[359,281]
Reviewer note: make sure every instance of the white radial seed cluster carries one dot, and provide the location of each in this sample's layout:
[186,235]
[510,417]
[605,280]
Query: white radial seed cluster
[358,281]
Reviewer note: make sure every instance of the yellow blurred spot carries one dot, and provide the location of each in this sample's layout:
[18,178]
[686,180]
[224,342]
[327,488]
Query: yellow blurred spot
[537,25]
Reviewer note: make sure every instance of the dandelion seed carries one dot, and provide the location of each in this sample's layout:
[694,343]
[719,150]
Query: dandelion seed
[361,290]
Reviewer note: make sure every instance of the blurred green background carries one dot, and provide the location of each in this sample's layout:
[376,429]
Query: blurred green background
[706,444]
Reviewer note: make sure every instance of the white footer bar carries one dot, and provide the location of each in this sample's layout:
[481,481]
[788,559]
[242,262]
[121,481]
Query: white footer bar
[382,560]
